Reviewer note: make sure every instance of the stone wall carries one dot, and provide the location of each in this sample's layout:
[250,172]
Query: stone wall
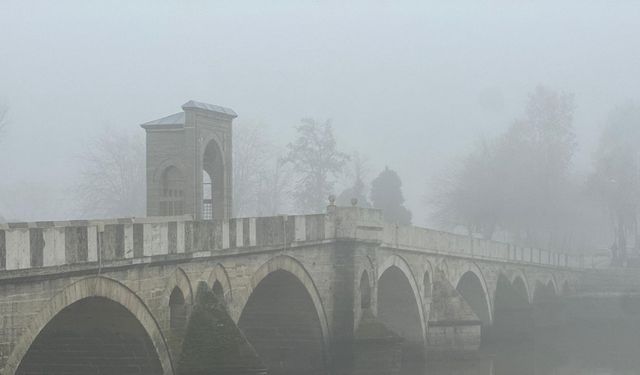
[137,263]
[43,244]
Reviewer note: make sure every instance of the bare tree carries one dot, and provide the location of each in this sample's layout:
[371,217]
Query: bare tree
[535,158]
[518,183]
[467,195]
[274,188]
[113,176]
[260,177]
[616,177]
[316,162]
[250,149]
[357,187]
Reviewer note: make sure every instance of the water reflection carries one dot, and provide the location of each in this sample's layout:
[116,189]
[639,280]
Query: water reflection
[605,348]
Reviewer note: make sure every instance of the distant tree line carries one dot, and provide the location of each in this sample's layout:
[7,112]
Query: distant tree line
[520,186]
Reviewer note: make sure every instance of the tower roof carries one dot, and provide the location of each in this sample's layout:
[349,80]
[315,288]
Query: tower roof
[174,119]
[210,107]
[178,119]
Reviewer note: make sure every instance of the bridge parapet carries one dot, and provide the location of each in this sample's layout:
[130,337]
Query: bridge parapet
[368,225]
[46,244]
[417,238]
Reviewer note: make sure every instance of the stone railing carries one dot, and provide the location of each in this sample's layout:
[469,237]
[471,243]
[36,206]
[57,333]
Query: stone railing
[367,224]
[45,244]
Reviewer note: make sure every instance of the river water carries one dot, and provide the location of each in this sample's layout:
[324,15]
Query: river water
[604,348]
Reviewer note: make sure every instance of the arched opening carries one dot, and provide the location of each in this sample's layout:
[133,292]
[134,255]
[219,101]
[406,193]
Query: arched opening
[177,310]
[543,292]
[172,194]
[545,305]
[92,336]
[207,196]
[399,311]
[365,291]
[521,291]
[428,288]
[213,195]
[512,317]
[281,322]
[470,287]
[218,291]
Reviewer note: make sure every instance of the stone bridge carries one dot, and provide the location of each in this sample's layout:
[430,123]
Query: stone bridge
[305,291]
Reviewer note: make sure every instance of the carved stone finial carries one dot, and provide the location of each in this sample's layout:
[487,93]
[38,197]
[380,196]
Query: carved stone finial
[354,202]
[332,200]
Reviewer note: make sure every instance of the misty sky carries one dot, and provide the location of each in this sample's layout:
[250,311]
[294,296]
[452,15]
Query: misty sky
[411,85]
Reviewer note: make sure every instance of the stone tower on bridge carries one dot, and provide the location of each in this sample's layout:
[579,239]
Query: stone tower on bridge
[189,162]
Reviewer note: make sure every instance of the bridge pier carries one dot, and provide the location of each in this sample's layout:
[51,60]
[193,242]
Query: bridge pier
[454,329]
[328,293]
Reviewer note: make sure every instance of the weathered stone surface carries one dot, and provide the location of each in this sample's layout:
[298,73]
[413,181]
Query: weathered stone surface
[197,139]
[137,263]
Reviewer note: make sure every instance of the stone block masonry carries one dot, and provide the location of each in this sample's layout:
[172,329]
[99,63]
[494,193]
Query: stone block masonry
[57,272]
[44,244]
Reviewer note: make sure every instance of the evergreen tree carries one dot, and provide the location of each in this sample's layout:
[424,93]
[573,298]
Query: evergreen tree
[386,194]
[213,343]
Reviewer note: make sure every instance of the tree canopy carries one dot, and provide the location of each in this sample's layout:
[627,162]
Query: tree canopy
[518,183]
[113,176]
[615,181]
[316,162]
[358,187]
[386,194]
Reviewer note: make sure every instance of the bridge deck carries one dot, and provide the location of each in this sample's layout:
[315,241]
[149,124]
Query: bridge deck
[47,244]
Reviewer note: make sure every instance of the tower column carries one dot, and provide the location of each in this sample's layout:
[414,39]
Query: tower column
[189,164]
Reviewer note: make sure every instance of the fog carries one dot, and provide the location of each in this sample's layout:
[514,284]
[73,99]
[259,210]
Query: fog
[498,141]
[411,85]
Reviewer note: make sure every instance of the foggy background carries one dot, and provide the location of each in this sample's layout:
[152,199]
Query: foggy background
[410,86]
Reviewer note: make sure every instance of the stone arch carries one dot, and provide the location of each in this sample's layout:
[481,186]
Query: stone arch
[566,289]
[444,268]
[284,319]
[548,283]
[365,290]
[427,282]
[219,274]
[101,287]
[468,286]
[163,166]
[520,275]
[512,312]
[522,286]
[180,280]
[214,194]
[293,266]
[554,284]
[370,267]
[402,265]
